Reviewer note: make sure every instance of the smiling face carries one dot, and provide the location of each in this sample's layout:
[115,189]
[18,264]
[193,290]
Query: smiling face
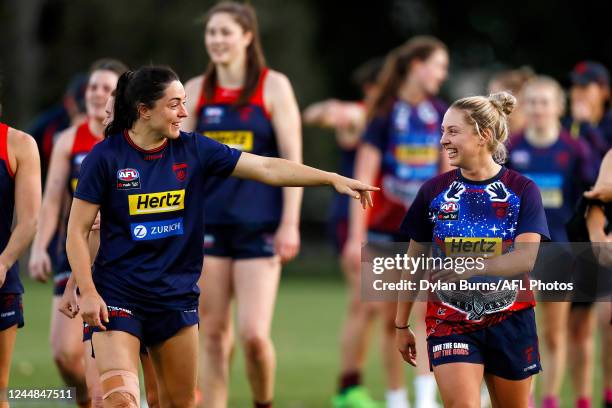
[459,139]
[168,112]
[99,88]
[225,40]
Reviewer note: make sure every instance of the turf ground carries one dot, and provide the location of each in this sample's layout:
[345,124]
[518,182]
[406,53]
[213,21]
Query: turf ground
[309,311]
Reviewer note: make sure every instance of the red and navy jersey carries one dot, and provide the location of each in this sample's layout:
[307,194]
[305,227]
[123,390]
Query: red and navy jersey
[481,218]
[561,171]
[151,202]
[247,128]
[84,141]
[12,283]
[409,141]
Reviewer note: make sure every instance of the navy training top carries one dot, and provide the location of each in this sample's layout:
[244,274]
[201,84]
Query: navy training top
[151,201]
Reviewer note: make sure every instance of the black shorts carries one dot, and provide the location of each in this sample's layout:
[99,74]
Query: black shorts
[11,310]
[240,241]
[508,349]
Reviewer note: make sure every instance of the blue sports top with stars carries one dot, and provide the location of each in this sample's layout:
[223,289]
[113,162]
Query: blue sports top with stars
[483,218]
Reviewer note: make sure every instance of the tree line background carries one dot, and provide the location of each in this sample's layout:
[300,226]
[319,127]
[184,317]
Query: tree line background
[317,43]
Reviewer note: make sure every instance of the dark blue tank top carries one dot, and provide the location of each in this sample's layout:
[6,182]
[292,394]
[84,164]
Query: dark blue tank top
[12,283]
[249,129]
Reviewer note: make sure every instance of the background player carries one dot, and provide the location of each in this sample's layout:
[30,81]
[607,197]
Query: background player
[513,81]
[400,151]
[71,148]
[492,204]
[243,104]
[348,119]
[598,222]
[156,303]
[20,194]
[561,168]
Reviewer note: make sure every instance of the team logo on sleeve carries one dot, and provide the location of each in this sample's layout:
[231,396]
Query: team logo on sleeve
[165,201]
[454,191]
[497,192]
[128,179]
[180,171]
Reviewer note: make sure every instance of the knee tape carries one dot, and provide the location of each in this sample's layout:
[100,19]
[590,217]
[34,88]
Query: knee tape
[120,381]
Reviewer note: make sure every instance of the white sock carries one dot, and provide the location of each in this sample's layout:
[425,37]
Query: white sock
[425,389]
[397,398]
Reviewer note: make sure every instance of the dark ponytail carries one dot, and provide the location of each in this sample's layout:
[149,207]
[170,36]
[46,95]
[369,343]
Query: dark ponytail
[143,86]
[395,69]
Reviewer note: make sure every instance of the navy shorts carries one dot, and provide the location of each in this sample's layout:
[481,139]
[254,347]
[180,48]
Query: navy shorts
[61,273]
[11,310]
[240,241]
[508,349]
[150,328]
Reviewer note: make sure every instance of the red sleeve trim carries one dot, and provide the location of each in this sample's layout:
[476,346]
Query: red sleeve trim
[4,148]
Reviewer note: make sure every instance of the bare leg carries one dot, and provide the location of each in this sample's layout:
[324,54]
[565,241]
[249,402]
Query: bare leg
[215,330]
[256,283]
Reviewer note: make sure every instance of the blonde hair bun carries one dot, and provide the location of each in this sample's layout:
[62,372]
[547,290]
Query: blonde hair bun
[504,101]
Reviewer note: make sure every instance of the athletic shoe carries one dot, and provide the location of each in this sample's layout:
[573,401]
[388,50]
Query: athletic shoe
[355,397]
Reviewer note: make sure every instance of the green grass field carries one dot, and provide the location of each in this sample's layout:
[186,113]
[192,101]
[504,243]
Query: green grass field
[309,311]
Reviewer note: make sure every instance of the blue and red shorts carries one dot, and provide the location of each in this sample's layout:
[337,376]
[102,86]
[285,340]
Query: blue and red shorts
[150,328]
[508,349]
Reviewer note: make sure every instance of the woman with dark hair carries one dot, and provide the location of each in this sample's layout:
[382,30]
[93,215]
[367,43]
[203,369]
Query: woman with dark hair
[399,150]
[20,194]
[72,146]
[147,179]
[241,103]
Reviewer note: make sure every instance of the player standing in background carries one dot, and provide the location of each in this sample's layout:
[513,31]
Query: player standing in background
[561,168]
[399,151]
[48,124]
[469,338]
[599,224]
[20,194]
[238,101]
[589,119]
[348,119]
[147,180]
[590,116]
[72,146]
[513,81]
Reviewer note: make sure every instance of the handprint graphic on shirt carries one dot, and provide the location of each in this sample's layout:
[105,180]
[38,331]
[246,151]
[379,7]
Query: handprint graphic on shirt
[497,192]
[454,191]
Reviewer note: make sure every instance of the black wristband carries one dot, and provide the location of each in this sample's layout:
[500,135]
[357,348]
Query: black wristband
[402,327]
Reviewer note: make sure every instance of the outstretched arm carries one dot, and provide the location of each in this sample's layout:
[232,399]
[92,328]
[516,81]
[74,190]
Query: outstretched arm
[281,172]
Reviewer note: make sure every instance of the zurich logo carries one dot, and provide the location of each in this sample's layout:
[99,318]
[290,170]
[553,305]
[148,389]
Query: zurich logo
[140,231]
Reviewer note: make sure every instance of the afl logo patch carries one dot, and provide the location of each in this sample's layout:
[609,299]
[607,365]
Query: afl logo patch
[128,179]
[449,211]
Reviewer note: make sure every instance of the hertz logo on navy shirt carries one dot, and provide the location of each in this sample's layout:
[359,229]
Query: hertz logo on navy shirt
[145,231]
[161,202]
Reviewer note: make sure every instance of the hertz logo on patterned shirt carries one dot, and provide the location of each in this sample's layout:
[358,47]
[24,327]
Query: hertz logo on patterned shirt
[165,201]
[473,246]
